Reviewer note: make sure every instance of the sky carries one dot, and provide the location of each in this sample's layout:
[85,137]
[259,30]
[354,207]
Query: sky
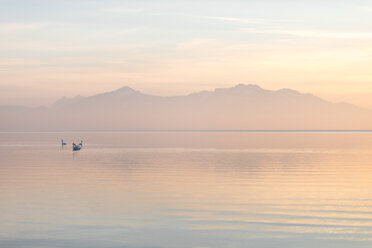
[50,49]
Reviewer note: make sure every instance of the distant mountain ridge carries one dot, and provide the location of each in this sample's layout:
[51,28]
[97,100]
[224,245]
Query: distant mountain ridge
[241,107]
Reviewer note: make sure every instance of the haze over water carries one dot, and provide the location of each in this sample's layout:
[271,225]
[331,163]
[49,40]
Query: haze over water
[186,189]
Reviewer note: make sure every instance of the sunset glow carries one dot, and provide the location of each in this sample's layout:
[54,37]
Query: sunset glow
[51,49]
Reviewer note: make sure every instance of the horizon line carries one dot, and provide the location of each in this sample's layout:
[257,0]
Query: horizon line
[195,131]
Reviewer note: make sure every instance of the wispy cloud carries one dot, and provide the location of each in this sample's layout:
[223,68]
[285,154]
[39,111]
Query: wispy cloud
[194,43]
[365,9]
[233,19]
[14,62]
[314,33]
[10,27]
[261,21]
[122,10]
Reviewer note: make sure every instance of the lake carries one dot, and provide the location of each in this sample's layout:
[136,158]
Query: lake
[186,189]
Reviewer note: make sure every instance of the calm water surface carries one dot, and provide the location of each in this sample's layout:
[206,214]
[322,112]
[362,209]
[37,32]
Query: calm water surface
[186,190]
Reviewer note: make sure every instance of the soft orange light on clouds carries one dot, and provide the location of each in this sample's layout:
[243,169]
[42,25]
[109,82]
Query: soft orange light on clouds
[175,48]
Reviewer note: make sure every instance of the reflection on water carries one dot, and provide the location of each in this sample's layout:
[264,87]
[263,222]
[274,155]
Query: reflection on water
[186,190]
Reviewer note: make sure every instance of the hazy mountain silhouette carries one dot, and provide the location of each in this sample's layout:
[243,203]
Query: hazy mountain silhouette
[66,101]
[241,107]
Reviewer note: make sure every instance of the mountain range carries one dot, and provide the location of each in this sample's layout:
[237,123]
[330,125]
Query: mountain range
[243,107]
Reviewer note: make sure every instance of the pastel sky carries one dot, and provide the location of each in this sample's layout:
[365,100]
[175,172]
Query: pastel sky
[50,49]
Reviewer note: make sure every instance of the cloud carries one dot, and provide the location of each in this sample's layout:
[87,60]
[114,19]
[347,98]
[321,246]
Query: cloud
[233,19]
[11,27]
[366,9]
[314,33]
[258,21]
[122,10]
[10,62]
[194,43]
